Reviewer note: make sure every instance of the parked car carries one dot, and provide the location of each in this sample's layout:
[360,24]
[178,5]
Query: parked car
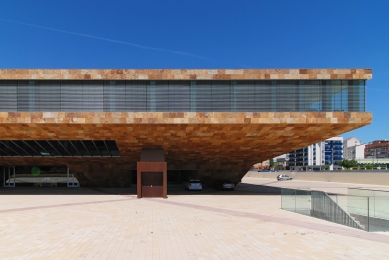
[283,177]
[265,170]
[193,185]
[224,185]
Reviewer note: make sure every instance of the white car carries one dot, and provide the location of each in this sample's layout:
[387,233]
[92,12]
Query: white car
[283,177]
[193,185]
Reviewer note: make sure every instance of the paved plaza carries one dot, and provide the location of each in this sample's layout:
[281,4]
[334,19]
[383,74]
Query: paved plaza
[61,223]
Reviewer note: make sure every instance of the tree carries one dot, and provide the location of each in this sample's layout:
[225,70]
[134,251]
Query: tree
[340,163]
[348,163]
[271,162]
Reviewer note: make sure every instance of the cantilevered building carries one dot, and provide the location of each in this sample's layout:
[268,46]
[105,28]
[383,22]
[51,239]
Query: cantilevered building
[211,124]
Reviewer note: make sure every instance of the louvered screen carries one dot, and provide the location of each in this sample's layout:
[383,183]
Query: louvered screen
[92,96]
[265,95]
[182,96]
[47,96]
[159,96]
[71,96]
[309,96]
[25,96]
[136,96]
[8,96]
[179,96]
[114,96]
[244,95]
[221,96]
[203,96]
[287,91]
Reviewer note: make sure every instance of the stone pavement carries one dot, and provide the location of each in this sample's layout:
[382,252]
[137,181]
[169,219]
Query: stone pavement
[60,223]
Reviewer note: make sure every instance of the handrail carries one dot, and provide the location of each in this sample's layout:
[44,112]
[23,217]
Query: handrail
[324,207]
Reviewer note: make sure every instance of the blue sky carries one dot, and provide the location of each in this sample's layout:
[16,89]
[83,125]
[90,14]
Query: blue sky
[204,34]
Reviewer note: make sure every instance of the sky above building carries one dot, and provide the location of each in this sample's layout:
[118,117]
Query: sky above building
[204,34]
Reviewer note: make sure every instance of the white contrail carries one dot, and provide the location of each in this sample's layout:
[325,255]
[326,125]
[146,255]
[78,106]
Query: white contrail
[111,40]
[377,89]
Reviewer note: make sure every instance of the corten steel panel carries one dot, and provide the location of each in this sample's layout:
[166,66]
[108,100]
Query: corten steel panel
[185,74]
[152,192]
[218,145]
[152,184]
[147,169]
[152,178]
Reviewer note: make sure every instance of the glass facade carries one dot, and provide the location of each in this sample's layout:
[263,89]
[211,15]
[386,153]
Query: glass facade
[183,96]
[59,148]
[333,152]
[327,152]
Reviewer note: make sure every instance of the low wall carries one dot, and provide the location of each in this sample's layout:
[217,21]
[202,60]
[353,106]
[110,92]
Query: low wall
[359,177]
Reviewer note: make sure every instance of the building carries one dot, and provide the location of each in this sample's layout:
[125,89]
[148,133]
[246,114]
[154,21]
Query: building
[327,152]
[360,151]
[280,162]
[350,148]
[377,149]
[376,163]
[210,124]
[262,165]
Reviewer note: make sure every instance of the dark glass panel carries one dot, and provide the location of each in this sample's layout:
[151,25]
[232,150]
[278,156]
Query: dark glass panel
[47,147]
[112,147]
[34,145]
[62,147]
[102,148]
[91,148]
[75,147]
[22,145]
[3,152]
[15,148]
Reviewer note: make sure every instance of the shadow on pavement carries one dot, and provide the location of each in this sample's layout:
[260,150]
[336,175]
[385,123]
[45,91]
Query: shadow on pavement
[240,189]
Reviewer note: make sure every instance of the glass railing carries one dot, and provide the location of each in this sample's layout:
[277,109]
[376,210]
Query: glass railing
[378,207]
[295,200]
[360,208]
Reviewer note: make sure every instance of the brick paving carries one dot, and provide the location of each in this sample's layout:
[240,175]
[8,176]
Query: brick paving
[59,223]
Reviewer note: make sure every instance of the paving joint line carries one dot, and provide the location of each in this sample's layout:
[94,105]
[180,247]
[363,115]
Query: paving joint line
[285,221]
[61,205]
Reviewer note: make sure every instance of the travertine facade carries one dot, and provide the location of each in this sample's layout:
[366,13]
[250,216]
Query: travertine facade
[217,144]
[216,74]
